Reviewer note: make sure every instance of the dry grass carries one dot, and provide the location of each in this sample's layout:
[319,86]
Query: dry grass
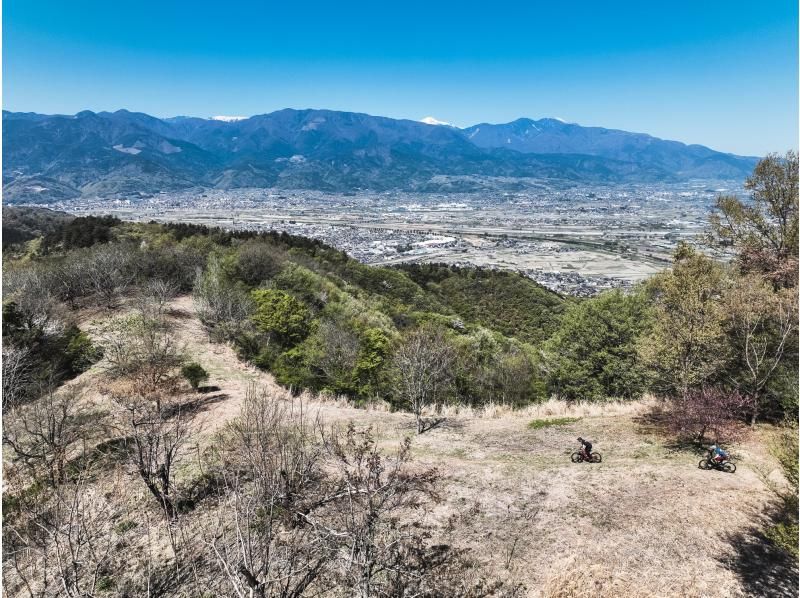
[549,408]
[576,578]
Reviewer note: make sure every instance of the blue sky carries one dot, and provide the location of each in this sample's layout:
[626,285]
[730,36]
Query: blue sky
[720,73]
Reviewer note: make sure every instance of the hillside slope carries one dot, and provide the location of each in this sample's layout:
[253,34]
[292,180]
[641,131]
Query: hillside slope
[649,521]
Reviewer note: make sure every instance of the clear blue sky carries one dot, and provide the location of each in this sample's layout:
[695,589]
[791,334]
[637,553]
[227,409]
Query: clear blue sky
[718,72]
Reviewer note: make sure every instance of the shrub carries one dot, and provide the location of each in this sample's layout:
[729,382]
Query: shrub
[708,411]
[257,261]
[195,374]
[281,316]
[784,533]
[80,352]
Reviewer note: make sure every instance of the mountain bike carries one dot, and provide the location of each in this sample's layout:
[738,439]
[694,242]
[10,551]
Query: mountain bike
[579,457]
[727,466]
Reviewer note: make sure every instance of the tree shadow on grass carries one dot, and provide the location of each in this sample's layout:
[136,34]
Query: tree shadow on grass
[196,405]
[164,580]
[178,314]
[763,568]
[438,423]
[656,422]
[102,457]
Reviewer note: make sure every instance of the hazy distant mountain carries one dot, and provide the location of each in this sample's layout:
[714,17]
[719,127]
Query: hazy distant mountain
[56,157]
[554,136]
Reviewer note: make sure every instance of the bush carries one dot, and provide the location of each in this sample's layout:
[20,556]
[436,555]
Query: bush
[257,261]
[708,412]
[80,352]
[195,374]
[784,533]
[281,316]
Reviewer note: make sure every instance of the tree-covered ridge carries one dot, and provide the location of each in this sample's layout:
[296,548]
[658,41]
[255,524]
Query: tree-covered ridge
[504,301]
[301,309]
[22,224]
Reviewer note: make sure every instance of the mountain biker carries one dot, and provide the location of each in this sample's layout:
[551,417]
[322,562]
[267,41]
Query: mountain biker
[717,454]
[586,448]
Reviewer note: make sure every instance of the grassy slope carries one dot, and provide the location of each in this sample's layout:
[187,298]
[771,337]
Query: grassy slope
[653,523]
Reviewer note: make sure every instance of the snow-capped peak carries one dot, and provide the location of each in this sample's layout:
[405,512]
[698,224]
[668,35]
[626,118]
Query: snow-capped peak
[429,120]
[228,119]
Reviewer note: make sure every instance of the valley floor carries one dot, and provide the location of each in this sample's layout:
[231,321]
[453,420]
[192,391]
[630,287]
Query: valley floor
[644,522]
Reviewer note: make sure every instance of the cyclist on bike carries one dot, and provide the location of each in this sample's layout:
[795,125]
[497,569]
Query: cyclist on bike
[717,454]
[586,449]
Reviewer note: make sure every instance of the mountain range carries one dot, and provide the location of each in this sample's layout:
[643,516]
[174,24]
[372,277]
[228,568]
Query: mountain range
[51,157]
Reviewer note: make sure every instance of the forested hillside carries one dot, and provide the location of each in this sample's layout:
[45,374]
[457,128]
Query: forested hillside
[22,224]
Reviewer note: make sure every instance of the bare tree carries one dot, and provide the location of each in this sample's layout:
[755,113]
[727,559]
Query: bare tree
[379,545]
[16,375]
[31,288]
[69,281]
[108,271]
[423,364]
[59,542]
[302,509]
[221,303]
[258,261]
[156,430]
[760,322]
[272,476]
[141,348]
[43,433]
[155,295]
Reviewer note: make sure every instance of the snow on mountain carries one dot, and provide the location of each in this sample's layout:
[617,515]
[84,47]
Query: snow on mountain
[229,119]
[429,120]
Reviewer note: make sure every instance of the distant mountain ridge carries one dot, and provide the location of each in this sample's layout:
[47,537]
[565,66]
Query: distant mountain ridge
[122,152]
[554,136]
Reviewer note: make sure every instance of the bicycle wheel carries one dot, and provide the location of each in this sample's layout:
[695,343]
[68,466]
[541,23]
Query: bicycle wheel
[576,457]
[729,467]
[704,464]
[596,457]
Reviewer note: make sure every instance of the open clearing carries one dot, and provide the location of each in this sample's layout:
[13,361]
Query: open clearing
[644,522]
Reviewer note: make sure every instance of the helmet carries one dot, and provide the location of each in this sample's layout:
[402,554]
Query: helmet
[580,439]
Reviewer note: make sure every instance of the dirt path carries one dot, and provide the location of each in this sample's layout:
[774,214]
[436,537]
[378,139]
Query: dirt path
[644,522]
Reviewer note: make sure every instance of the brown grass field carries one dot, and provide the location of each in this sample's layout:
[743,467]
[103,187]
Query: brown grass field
[644,522]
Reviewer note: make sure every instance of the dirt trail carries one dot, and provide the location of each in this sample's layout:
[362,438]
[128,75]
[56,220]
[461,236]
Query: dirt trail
[650,522]
[233,377]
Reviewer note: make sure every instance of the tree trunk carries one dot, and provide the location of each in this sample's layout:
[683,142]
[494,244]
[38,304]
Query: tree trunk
[701,436]
[164,500]
[754,414]
[251,581]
